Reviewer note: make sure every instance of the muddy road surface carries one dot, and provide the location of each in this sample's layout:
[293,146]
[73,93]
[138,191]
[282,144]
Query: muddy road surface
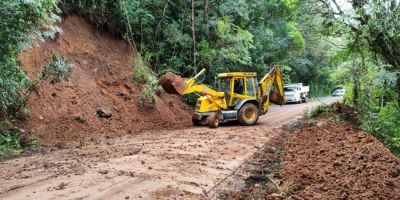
[187,163]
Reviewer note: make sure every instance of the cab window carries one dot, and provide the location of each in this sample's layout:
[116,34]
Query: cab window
[224,85]
[238,86]
[250,87]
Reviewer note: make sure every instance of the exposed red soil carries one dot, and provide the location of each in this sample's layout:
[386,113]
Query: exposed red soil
[333,161]
[66,112]
[324,161]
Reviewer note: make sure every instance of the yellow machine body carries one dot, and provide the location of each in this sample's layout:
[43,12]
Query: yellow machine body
[237,96]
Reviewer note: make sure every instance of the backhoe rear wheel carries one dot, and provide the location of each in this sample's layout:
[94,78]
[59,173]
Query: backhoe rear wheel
[248,114]
[213,119]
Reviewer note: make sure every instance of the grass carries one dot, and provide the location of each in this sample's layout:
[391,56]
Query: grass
[12,143]
[320,110]
[147,94]
[143,74]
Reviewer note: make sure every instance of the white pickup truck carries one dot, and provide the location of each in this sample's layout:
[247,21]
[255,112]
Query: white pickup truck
[296,93]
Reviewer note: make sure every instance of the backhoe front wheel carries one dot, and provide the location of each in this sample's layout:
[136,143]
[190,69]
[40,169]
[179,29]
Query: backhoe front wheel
[248,114]
[213,119]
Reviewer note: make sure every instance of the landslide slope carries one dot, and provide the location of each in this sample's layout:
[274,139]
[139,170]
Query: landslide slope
[65,112]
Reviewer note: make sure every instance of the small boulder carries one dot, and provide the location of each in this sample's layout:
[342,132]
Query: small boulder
[104,112]
[80,118]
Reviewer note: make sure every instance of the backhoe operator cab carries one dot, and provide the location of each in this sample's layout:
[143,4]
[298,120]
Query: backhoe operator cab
[237,96]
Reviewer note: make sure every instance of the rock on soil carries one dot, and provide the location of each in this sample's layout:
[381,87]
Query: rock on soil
[102,77]
[104,112]
[172,83]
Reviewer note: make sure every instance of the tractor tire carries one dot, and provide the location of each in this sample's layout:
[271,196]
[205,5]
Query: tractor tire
[213,120]
[248,114]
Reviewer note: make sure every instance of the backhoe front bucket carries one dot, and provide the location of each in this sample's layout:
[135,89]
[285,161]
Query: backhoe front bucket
[172,83]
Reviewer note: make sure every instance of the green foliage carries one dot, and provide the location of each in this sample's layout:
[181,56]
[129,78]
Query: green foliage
[21,22]
[321,109]
[206,54]
[235,44]
[190,99]
[12,81]
[13,143]
[57,69]
[146,94]
[320,90]
[385,125]
[369,64]
[296,36]
[143,74]
[9,143]
[231,35]
[348,95]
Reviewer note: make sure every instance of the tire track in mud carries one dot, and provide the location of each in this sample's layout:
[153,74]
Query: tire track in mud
[182,164]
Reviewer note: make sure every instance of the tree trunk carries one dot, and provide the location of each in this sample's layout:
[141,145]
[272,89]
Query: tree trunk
[398,89]
[206,5]
[355,82]
[355,90]
[194,40]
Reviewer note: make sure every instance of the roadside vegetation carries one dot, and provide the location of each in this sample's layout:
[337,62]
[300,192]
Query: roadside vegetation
[318,42]
[143,74]
[368,62]
[22,23]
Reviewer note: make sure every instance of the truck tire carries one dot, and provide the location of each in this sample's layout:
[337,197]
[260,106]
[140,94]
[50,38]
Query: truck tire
[213,119]
[248,114]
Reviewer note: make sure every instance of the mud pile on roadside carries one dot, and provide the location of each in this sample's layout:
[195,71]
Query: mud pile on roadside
[324,161]
[339,161]
[100,99]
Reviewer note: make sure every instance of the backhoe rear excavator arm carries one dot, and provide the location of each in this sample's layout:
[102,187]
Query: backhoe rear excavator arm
[274,75]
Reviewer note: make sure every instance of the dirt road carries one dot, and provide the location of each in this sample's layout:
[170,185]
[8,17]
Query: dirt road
[182,164]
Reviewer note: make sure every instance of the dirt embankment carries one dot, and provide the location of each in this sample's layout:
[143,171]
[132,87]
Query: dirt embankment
[68,112]
[323,161]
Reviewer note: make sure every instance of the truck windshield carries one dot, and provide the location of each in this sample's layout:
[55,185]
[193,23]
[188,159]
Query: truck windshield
[288,89]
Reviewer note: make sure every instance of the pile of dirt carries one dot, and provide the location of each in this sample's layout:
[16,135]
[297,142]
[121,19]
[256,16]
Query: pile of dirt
[324,161]
[172,83]
[339,161]
[100,99]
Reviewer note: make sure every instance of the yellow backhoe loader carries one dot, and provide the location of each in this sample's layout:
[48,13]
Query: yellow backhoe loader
[237,96]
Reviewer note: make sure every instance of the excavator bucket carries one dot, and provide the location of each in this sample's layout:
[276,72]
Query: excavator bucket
[172,83]
[275,98]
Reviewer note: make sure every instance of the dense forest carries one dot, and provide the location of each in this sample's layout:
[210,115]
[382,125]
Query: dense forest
[321,43]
